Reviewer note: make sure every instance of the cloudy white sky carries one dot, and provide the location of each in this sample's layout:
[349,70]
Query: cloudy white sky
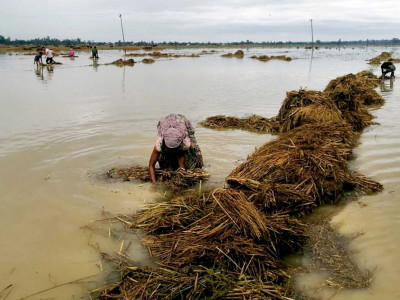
[201,20]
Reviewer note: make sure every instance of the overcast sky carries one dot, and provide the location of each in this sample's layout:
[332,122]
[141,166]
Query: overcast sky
[201,20]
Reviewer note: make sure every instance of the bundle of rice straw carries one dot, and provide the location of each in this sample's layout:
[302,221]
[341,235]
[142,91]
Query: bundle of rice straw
[218,229]
[303,98]
[350,94]
[121,62]
[381,57]
[176,179]
[199,283]
[268,58]
[310,161]
[311,114]
[253,123]
[368,79]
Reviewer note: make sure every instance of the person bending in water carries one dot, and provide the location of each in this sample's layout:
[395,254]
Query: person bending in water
[71,53]
[387,67]
[38,59]
[176,146]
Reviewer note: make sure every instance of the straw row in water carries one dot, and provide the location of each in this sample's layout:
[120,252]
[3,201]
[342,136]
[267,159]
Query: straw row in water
[344,99]
[241,232]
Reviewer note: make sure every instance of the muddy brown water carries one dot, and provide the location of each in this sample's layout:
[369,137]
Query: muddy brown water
[63,126]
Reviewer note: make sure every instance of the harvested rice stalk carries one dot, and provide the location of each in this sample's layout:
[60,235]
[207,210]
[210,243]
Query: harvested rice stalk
[237,54]
[305,157]
[181,250]
[175,179]
[311,114]
[148,60]
[187,211]
[381,57]
[349,94]
[275,197]
[197,283]
[363,184]
[121,62]
[224,230]
[253,123]
[329,252]
[368,79]
[268,58]
[302,98]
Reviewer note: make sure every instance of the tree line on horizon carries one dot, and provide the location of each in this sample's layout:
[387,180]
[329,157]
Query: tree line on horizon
[75,42]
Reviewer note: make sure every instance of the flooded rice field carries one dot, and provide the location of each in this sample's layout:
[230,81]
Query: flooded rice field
[63,127]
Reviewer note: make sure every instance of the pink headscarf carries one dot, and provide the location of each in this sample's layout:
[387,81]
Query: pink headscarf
[172,130]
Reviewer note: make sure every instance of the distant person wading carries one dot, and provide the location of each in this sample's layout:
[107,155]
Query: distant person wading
[49,56]
[176,146]
[38,59]
[388,67]
[95,53]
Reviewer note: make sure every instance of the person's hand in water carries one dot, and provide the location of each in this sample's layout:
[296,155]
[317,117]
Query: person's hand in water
[156,187]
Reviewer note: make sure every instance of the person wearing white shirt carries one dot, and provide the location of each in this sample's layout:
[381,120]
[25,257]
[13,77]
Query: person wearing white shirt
[49,56]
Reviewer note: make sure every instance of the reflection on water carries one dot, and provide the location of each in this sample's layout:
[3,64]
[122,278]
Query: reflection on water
[39,72]
[386,85]
[44,73]
[95,64]
[310,67]
[56,138]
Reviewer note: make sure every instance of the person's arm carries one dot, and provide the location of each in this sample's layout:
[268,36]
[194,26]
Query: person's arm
[155,155]
[181,161]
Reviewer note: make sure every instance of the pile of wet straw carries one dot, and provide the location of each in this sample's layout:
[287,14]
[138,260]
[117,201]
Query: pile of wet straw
[217,244]
[268,58]
[226,243]
[122,62]
[381,57]
[302,168]
[173,179]
[237,54]
[252,123]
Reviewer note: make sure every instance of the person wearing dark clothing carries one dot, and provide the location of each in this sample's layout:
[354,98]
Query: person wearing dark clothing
[388,67]
[38,59]
[94,52]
